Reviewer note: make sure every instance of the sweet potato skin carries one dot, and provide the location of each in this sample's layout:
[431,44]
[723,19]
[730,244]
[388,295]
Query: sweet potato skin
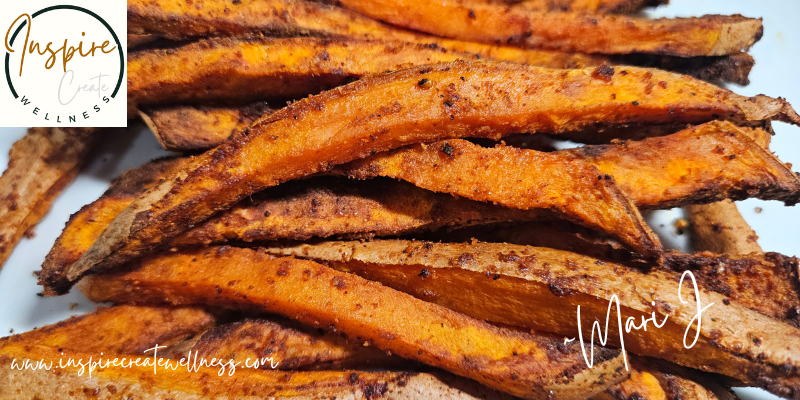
[378,113]
[40,165]
[197,128]
[713,35]
[510,361]
[258,69]
[551,284]
[516,178]
[123,329]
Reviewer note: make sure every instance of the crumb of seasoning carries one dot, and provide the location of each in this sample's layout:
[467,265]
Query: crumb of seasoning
[680,225]
[447,149]
[758,210]
[11,330]
[29,234]
[425,83]
[73,306]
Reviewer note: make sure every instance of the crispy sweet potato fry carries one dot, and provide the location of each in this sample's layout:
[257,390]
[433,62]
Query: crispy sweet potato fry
[681,168]
[657,380]
[734,68]
[767,283]
[138,40]
[40,166]
[256,69]
[517,363]
[378,113]
[287,344]
[319,207]
[516,178]
[704,36]
[586,6]
[181,20]
[713,35]
[123,329]
[721,229]
[545,286]
[139,381]
[709,162]
[190,128]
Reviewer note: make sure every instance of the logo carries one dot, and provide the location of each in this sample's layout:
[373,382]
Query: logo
[64,65]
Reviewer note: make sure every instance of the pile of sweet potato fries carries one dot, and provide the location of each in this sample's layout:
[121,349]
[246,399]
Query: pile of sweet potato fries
[403,227]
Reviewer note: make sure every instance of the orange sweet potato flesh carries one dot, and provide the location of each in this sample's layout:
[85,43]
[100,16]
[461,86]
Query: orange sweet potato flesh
[378,113]
[180,20]
[712,35]
[522,179]
[521,364]
[123,329]
[545,287]
[195,128]
[258,69]
[289,345]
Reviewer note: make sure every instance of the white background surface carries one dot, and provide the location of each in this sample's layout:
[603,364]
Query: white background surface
[775,74]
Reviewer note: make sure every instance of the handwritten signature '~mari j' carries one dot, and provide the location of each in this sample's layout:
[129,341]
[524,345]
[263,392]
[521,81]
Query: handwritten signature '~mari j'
[631,324]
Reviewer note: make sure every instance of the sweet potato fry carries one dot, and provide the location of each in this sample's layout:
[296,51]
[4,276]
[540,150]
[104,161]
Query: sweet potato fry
[138,40]
[721,229]
[657,380]
[40,166]
[678,169]
[139,381]
[181,20]
[702,164]
[516,178]
[287,344]
[517,363]
[256,69]
[318,207]
[123,329]
[586,6]
[767,283]
[713,35]
[734,68]
[378,113]
[545,286]
[189,128]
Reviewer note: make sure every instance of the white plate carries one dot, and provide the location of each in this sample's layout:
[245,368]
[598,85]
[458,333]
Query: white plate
[777,57]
